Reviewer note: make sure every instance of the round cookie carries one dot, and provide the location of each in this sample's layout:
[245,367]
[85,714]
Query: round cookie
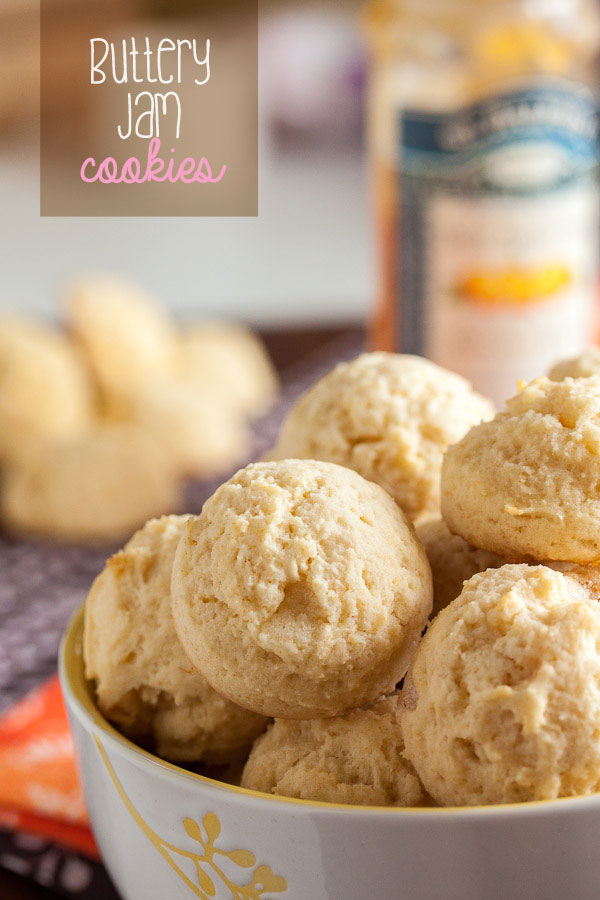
[452,561]
[202,436]
[390,418]
[527,484]
[356,758]
[44,388]
[144,682]
[231,361]
[100,487]
[577,367]
[503,698]
[125,337]
[301,590]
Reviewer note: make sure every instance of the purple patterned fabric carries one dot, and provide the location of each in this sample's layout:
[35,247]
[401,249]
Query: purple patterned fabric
[42,584]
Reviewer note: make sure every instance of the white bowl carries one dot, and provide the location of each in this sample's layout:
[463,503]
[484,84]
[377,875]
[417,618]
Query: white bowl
[168,834]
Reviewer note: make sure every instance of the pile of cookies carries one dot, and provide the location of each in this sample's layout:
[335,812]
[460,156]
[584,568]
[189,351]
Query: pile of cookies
[279,634]
[101,421]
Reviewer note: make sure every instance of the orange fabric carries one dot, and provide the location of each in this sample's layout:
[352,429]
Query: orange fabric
[40,790]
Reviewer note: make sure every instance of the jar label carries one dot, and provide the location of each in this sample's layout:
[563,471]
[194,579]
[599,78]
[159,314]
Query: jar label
[499,233]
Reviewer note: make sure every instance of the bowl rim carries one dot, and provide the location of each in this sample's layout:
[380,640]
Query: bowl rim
[76,691]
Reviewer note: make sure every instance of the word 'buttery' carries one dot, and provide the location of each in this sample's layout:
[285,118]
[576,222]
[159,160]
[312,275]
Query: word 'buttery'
[161,64]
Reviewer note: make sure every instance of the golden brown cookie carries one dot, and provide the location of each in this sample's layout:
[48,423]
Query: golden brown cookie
[453,561]
[527,484]
[356,758]
[390,418]
[503,698]
[144,682]
[301,590]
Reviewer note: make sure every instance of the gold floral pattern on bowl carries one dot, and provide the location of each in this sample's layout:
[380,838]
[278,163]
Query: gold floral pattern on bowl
[206,860]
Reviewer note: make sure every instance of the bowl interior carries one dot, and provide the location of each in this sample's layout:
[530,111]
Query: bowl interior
[74,682]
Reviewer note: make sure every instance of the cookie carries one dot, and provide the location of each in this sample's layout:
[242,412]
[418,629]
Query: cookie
[301,590]
[452,561]
[99,487]
[201,435]
[356,758]
[144,682]
[233,363]
[390,418]
[44,388]
[582,366]
[502,702]
[125,337]
[527,484]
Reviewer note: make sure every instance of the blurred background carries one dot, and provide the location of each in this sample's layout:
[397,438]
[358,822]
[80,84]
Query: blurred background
[306,258]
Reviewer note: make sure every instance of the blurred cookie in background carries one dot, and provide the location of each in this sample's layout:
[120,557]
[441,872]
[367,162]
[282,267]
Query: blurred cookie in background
[202,436]
[125,337]
[99,486]
[101,423]
[45,392]
[233,362]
